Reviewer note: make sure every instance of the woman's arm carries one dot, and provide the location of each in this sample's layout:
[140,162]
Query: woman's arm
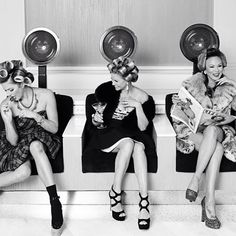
[6,113]
[142,120]
[141,117]
[51,123]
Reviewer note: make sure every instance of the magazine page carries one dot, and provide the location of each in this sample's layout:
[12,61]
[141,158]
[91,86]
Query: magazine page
[187,109]
[217,118]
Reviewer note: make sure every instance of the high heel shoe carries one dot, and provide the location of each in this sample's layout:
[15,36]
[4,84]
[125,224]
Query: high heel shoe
[144,223]
[191,195]
[120,216]
[211,223]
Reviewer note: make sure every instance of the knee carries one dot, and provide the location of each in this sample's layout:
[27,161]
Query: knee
[211,131]
[127,145]
[23,172]
[220,149]
[138,149]
[36,147]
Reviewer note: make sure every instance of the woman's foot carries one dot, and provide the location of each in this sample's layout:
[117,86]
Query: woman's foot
[192,190]
[56,213]
[116,206]
[210,209]
[208,215]
[144,215]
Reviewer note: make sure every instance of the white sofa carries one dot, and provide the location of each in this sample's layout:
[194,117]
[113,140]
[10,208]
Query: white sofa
[166,177]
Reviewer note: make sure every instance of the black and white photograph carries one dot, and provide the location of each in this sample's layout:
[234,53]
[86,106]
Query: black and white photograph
[117,117]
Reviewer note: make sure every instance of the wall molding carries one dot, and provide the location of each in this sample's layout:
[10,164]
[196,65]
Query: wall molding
[103,69]
[150,77]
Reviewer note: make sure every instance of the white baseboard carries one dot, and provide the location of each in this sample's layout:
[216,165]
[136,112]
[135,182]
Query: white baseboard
[101,197]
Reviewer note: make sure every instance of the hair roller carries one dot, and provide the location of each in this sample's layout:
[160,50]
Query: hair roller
[3,73]
[117,61]
[17,63]
[130,65]
[110,67]
[9,66]
[18,76]
[134,77]
[122,70]
[129,77]
[30,77]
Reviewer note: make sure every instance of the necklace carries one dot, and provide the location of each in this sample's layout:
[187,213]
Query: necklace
[34,102]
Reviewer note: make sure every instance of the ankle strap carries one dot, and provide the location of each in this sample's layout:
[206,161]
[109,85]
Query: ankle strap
[54,198]
[115,196]
[143,199]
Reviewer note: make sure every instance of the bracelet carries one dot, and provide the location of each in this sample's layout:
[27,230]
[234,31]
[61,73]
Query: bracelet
[41,120]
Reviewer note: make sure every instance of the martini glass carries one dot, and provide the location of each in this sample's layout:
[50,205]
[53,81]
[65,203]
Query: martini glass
[99,107]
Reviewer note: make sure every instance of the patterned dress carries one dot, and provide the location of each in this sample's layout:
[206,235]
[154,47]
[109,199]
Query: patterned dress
[11,157]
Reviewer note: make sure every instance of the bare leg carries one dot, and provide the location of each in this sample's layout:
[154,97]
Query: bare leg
[45,173]
[140,167]
[124,151]
[206,145]
[211,176]
[42,163]
[12,177]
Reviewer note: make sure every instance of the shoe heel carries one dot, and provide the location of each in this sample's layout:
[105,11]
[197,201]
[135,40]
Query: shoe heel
[203,216]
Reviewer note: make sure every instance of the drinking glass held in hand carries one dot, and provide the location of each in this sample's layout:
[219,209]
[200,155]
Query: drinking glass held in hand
[99,107]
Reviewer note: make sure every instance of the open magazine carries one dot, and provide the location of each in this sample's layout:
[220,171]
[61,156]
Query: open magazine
[190,112]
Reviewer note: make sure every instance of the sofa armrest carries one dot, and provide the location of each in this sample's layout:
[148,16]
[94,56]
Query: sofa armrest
[75,126]
[162,127]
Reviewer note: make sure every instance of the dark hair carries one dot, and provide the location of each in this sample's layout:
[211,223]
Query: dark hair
[14,69]
[125,67]
[207,53]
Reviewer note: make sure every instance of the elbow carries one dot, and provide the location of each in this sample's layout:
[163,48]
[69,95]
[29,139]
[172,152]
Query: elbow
[54,129]
[13,142]
[143,127]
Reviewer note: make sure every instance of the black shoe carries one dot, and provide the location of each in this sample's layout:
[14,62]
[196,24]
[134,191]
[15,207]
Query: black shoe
[56,212]
[211,223]
[143,223]
[191,195]
[116,215]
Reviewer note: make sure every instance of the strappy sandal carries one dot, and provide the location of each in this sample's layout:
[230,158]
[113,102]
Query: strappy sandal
[143,223]
[120,216]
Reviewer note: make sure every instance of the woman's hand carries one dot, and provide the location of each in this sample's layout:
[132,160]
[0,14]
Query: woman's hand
[97,117]
[26,113]
[130,102]
[176,99]
[226,80]
[6,112]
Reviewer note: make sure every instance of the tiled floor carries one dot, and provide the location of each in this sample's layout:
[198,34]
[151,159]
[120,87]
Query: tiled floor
[95,220]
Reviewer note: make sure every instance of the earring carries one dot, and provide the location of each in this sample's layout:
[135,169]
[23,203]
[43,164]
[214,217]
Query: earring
[127,86]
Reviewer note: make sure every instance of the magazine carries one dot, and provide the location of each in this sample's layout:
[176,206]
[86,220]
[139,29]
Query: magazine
[188,110]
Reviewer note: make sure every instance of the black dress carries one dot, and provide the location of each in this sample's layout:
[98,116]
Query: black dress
[119,127]
[11,157]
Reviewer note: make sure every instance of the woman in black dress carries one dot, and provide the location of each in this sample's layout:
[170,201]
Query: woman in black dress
[127,119]
[31,121]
